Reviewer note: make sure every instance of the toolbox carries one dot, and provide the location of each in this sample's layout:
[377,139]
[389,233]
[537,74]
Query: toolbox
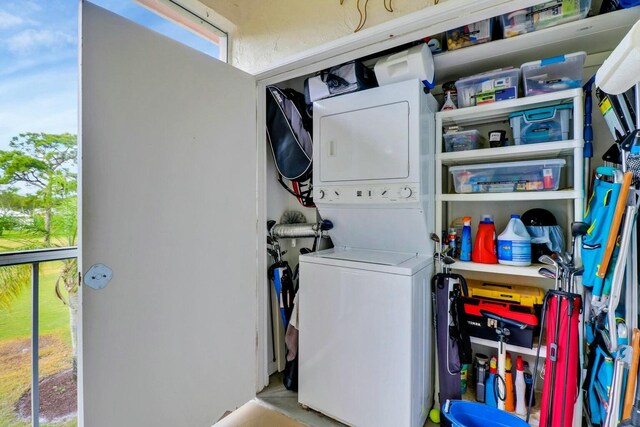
[515,302]
[482,327]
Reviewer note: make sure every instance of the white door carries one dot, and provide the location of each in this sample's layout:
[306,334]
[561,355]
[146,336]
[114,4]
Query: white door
[168,143]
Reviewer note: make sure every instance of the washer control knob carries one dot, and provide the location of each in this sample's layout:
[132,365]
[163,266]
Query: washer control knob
[406,192]
[320,194]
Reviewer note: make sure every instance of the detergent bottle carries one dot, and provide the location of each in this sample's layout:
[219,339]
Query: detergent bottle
[465,245]
[514,244]
[484,249]
[521,404]
[490,388]
[509,401]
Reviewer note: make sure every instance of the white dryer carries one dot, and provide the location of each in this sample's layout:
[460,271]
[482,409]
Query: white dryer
[365,348]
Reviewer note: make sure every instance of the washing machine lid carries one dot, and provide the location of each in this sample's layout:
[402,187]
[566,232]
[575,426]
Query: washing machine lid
[371,257]
[403,263]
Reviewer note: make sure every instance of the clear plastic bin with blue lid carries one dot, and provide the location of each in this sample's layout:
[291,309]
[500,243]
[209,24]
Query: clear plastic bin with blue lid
[543,15]
[508,177]
[553,74]
[545,124]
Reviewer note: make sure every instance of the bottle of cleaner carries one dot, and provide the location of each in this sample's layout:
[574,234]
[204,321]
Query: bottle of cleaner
[453,238]
[465,245]
[484,249]
[514,244]
[490,387]
[509,401]
[521,403]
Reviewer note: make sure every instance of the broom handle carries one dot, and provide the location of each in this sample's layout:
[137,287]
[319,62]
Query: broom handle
[632,375]
[615,224]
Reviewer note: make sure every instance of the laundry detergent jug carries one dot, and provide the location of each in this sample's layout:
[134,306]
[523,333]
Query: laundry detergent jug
[484,249]
[514,244]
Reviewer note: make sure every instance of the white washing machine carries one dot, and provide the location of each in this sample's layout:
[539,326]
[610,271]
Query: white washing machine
[365,344]
[365,336]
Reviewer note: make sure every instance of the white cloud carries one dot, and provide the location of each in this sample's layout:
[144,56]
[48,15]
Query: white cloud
[8,20]
[29,40]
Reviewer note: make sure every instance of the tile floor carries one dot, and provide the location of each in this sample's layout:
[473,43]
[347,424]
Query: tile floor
[278,398]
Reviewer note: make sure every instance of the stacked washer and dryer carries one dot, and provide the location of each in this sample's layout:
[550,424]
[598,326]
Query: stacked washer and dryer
[366,327]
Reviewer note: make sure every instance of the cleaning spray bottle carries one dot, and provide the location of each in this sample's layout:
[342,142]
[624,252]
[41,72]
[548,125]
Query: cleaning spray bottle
[465,246]
[484,248]
[509,401]
[490,388]
[521,404]
[528,380]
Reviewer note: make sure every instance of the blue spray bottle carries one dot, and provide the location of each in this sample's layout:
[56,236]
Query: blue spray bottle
[465,244]
[490,388]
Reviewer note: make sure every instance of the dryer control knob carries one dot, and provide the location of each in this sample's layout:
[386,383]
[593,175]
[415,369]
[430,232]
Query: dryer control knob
[320,194]
[406,192]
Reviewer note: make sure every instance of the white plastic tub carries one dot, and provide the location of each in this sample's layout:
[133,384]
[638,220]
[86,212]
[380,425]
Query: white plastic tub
[553,74]
[492,86]
[531,175]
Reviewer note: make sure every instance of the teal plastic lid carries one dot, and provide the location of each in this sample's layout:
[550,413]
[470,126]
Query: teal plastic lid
[541,110]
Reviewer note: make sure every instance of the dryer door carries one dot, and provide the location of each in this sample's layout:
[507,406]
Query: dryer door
[365,144]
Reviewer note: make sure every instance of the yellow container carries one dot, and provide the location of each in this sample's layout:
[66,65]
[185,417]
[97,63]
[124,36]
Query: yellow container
[517,294]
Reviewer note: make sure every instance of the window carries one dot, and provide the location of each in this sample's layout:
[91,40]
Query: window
[171,19]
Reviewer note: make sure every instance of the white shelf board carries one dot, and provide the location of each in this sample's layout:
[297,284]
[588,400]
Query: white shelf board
[528,271]
[498,111]
[593,35]
[512,348]
[511,197]
[514,152]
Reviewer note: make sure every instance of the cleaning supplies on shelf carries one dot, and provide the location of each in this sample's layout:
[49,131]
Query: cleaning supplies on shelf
[521,403]
[465,247]
[464,375]
[484,249]
[490,395]
[453,239]
[514,244]
[528,381]
[509,401]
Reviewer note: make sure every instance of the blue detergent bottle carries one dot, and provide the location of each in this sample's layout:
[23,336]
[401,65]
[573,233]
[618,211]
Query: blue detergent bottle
[490,389]
[465,244]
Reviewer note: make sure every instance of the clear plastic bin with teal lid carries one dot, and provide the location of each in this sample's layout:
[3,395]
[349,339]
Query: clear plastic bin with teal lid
[553,74]
[545,124]
[529,175]
[543,15]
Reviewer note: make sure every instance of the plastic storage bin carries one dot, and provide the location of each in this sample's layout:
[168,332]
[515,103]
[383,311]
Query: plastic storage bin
[543,15]
[553,74]
[541,124]
[463,140]
[531,175]
[469,35]
[492,86]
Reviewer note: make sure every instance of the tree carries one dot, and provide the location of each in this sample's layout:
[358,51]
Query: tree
[45,162]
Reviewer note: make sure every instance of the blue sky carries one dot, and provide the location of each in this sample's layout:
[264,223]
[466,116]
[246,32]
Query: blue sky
[38,61]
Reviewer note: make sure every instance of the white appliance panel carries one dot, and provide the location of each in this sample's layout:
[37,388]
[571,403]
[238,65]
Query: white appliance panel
[365,144]
[364,343]
[372,257]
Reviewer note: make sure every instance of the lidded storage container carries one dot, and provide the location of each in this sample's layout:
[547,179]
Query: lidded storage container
[553,74]
[492,86]
[469,35]
[530,175]
[543,15]
[463,140]
[544,124]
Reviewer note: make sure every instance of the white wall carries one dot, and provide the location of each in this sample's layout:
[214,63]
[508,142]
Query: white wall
[266,32]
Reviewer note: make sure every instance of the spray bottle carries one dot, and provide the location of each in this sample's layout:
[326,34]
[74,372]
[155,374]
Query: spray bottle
[528,380]
[521,404]
[490,397]
[465,246]
[509,401]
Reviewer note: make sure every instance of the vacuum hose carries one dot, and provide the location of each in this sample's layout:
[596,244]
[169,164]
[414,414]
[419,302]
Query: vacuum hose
[296,231]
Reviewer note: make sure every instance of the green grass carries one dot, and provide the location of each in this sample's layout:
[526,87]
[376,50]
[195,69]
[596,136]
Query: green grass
[15,333]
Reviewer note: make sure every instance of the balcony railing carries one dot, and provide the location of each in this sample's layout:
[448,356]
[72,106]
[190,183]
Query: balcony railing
[35,257]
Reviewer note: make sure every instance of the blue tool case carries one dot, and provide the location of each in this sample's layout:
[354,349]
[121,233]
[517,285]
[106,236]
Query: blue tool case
[544,124]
